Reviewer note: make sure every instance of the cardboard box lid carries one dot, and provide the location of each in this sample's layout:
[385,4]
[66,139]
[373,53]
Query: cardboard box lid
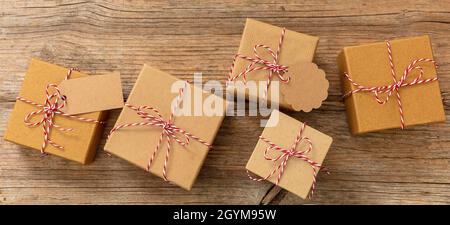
[297,48]
[79,144]
[298,175]
[368,65]
[136,144]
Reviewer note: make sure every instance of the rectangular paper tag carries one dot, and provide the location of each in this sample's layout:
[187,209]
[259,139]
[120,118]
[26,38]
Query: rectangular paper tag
[92,93]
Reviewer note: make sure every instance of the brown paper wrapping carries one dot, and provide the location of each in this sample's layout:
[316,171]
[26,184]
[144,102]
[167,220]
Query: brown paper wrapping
[297,49]
[298,175]
[79,144]
[136,144]
[368,65]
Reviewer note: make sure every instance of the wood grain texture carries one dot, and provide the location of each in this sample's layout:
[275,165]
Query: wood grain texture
[183,37]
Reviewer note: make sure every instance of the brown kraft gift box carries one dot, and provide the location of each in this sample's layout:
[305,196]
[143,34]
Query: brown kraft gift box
[298,175]
[297,52]
[136,144]
[368,65]
[79,144]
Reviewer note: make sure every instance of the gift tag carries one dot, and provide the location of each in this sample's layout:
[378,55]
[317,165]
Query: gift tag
[92,93]
[308,87]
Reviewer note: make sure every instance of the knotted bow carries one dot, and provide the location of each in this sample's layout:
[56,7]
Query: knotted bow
[272,66]
[52,106]
[396,84]
[169,130]
[286,154]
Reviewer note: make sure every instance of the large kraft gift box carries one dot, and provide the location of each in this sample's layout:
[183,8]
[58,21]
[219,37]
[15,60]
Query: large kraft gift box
[296,50]
[298,175]
[79,144]
[136,144]
[368,65]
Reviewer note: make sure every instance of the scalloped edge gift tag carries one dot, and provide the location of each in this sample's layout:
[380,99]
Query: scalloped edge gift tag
[307,88]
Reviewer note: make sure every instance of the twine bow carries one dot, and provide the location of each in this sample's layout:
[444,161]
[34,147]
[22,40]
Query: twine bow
[52,106]
[396,84]
[169,130]
[271,65]
[280,162]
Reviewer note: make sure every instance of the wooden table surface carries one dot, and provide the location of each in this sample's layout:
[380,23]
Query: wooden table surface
[183,37]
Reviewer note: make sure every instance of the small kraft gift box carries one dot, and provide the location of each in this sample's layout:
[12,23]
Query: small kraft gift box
[270,55]
[390,84]
[289,154]
[46,115]
[150,134]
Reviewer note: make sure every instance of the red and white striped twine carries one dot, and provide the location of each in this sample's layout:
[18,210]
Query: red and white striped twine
[288,153]
[54,102]
[169,129]
[396,84]
[272,66]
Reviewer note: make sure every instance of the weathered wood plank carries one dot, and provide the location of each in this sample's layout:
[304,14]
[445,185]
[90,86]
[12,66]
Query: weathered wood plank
[201,36]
